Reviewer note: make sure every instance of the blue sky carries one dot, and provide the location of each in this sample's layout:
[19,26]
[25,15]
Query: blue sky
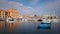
[39,7]
[31,2]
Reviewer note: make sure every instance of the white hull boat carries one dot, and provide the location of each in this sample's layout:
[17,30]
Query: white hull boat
[46,21]
[10,20]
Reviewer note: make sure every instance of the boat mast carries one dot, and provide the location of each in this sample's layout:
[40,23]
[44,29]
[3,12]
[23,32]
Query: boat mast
[54,12]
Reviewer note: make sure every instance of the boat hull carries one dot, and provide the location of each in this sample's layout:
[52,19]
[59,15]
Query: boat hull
[44,26]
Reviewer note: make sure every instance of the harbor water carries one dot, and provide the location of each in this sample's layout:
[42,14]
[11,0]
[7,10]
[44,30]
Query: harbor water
[29,28]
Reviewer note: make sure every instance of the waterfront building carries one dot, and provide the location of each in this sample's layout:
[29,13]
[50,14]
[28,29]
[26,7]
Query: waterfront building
[49,16]
[3,14]
[13,13]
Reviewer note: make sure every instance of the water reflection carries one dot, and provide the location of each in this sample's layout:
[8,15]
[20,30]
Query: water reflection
[44,26]
[8,27]
[29,28]
[2,25]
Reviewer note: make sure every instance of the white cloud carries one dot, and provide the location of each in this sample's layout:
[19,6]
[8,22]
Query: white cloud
[23,9]
[14,4]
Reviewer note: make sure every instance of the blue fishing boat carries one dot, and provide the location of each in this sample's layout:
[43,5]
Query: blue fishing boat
[44,26]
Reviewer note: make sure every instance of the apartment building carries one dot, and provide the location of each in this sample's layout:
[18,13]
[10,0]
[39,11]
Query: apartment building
[13,13]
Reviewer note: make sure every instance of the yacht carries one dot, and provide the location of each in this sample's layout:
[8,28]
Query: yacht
[10,20]
[46,21]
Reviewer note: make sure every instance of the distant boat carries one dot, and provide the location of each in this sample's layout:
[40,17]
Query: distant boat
[11,20]
[54,20]
[23,20]
[47,21]
[55,17]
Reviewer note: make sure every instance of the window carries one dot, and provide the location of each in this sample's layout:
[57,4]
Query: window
[6,13]
[3,16]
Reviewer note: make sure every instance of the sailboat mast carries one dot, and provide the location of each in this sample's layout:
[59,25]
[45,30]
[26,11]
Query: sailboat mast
[54,13]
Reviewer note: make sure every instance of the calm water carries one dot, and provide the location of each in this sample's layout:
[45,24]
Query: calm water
[29,28]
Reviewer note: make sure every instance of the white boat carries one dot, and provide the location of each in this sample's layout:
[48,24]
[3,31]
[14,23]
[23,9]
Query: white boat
[11,20]
[46,21]
[54,20]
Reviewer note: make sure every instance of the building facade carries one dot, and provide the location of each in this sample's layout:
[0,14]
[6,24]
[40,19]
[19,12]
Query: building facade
[13,13]
[9,13]
[3,14]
